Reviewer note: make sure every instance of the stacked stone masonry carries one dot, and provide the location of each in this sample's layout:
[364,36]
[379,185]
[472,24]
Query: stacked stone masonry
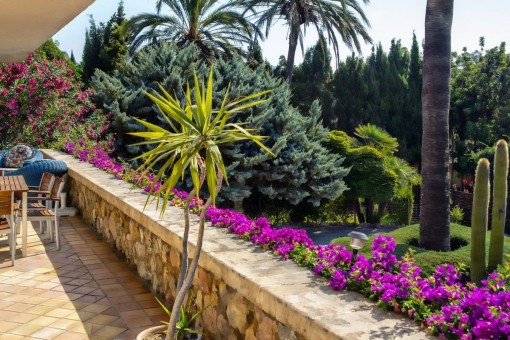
[251,293]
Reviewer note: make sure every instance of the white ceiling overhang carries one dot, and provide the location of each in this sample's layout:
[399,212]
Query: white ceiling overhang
[27,24]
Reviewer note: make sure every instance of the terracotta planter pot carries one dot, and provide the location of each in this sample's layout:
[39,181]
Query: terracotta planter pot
[150,331]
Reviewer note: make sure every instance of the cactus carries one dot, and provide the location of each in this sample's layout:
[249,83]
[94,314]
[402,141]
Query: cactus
[498,205]
[479,219]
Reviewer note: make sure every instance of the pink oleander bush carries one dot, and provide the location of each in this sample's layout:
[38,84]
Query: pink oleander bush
[445,303]
[42,104]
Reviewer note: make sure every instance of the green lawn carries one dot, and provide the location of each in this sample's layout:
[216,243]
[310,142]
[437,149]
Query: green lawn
[407,237]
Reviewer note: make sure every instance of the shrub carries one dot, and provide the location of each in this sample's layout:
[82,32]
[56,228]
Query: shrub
[303,171]
[41,103]
[456,214]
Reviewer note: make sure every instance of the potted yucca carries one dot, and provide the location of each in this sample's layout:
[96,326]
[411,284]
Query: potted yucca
[192,143]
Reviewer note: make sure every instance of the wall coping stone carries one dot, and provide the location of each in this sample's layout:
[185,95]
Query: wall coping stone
[294,296]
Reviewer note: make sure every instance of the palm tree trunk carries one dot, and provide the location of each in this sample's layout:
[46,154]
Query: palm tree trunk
[434,212]
[369,210]
[293,41]
[357,210]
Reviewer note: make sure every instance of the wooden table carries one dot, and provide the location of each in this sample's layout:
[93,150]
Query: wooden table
[18,185]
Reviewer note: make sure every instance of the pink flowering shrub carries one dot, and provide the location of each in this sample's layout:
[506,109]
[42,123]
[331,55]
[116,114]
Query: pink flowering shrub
[42,104]
[443,303]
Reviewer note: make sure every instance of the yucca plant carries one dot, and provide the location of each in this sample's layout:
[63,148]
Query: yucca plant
[192,143]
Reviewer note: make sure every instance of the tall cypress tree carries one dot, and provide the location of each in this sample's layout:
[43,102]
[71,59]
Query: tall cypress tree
[312,79]
[92,49]
[410,139]
[105,46]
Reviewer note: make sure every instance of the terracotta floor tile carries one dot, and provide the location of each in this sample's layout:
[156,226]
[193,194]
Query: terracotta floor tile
[107,281]
[128,306]
[118,323]
[102,319]
[137,321]
[13,280]
[54,302]
[93,284]
[122,299]
[22,317]
[43,320]
[89,298]
[18,307]
[154,311]
[79,305]
[111,311]
[5,303]
[130,334]
[95,308]
[51,294]
[86,328]
[11,273]
[47,285]
[98,292]
[84,316]
[35,300]
[26,329]
[32,291]
[64,324]
[71,335]
[104,301]
[6,326]
[109,332]
[145,296]
[83,290]
[47,333]
[39,309]
[12,337]
[149,303]
[59,313]
[114,293]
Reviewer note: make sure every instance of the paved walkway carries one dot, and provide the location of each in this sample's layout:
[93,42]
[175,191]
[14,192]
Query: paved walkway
[82,291]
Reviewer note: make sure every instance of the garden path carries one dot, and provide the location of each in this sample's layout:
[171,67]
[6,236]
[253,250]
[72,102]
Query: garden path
[324,234]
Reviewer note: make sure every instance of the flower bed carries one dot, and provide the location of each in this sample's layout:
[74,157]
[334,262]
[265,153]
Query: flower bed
[443,302]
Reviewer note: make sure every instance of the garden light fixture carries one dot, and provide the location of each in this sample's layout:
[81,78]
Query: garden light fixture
[356,242]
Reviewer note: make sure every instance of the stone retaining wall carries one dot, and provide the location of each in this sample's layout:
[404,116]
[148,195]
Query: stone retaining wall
[251,294]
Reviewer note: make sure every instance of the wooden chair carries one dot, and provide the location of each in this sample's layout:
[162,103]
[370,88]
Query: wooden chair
[49,214]
[42,190]
[11,215]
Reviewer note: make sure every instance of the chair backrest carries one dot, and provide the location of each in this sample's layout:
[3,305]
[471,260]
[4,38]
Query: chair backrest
[47,180]
[6,201]
[58,186]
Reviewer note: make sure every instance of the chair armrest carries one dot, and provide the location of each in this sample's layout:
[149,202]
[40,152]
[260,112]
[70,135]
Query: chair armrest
[38,192]
[34,198]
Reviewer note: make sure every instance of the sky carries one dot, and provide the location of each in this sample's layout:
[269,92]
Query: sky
[388,18]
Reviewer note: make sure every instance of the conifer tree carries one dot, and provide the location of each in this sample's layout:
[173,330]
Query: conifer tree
[92,49]
[105,45]
[303,171]
[311,81]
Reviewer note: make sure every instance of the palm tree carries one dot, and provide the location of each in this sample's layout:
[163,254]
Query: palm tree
[329,17]
[434,205]
[216,29]
[405,175]
[192,144]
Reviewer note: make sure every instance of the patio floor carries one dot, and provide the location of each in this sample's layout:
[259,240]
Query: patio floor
[83,291]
